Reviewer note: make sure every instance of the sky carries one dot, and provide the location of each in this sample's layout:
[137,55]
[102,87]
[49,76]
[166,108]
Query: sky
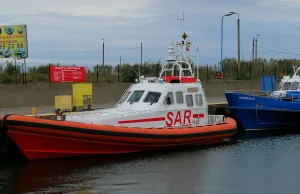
[71,31]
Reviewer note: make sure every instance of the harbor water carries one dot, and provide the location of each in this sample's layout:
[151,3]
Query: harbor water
[260,162]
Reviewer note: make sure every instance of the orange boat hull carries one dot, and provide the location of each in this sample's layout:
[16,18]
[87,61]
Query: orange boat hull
[45,139]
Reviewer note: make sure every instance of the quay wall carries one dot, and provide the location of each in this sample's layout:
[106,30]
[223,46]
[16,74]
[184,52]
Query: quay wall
[104,93]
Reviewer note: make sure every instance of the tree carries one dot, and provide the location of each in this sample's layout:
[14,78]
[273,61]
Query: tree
[128,73]
[11,69]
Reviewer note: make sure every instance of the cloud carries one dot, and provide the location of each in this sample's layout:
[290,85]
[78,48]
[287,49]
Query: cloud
[105,8]
[71,31]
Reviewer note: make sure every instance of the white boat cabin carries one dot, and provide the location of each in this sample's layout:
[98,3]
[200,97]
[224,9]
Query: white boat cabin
[175,99]
[288,84]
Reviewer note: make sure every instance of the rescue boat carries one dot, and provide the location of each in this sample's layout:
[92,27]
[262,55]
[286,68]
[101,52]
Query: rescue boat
[154,113]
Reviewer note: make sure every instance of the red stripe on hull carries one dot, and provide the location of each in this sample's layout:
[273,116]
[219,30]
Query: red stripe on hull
[36,146]
[154,119]
[142,120]
[198,115]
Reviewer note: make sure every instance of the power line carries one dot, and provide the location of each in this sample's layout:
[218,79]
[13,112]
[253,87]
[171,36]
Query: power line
[277,51]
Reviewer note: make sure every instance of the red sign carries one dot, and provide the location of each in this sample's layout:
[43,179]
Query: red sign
[219,75]
[67,74]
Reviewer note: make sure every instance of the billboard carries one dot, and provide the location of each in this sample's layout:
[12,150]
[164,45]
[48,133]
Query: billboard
[13,41]
[67,74]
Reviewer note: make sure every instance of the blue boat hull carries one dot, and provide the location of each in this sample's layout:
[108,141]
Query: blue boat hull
[263,113]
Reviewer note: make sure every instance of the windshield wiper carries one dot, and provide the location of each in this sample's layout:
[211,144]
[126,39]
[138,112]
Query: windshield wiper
[134,101]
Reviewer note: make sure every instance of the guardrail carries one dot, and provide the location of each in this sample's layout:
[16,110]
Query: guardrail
[215,119]
[251,92]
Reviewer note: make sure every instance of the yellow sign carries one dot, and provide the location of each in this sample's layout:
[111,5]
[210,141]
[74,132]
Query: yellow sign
[13,41]
[184,36]
[193,89]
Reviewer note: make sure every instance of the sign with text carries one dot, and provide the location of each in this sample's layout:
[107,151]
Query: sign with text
[13,41]
[219,75]
[67,74]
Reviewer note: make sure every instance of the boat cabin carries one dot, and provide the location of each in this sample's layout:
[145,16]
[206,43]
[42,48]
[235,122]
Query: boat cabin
[288,85]
[174,99]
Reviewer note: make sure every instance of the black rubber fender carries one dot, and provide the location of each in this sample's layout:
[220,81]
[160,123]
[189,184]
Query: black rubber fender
[220,111]
[3,123]
[3,130]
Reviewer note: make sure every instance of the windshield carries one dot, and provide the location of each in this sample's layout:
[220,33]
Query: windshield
[295,86]
[298,72]
[136,96]
[125,97]
[286,86]
[152,97]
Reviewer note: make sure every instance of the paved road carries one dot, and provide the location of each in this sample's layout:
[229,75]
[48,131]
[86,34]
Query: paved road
[50,109]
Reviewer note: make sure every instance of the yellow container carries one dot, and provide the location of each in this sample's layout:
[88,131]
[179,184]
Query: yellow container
[81,91]
[63,102]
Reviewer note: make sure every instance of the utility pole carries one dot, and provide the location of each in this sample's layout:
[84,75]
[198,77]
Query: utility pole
[97,69]
[253,50]
[141,61]
[23,74]
[103,56]
[256,48]
[239,44]
[252,63]
[119,68]
[16,74]
[118,73]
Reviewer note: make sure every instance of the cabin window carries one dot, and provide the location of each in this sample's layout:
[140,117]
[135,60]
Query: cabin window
[152,97]
[169,99]
[179,97]
[295,86]
[286,86]
[189,100]
[136,96]
[199,100]
[125,97]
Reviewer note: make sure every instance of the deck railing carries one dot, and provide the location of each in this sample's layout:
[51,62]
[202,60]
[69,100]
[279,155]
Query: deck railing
[215,119]
[251,92]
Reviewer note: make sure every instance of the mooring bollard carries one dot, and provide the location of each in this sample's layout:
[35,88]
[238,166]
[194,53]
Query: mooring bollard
[33,111]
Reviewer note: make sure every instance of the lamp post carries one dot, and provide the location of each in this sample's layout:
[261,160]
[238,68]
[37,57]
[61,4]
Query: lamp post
[238,37]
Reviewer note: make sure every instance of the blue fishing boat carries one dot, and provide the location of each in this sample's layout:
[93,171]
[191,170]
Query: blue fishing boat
[274,110]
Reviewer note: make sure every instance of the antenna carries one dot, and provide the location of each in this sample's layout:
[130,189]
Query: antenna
[180,19]
[197,64]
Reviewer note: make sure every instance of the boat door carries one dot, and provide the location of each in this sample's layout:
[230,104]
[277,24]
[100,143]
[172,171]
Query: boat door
[184,109]
[196,101]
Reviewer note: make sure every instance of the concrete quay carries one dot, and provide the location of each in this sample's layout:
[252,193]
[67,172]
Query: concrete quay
[104,94]
[26,110]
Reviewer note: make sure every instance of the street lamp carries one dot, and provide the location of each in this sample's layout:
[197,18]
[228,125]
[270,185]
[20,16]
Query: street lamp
[238,37]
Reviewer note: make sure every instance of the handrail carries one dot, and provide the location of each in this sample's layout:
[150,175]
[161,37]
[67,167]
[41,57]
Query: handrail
[215,119]
[111,114]
[252,92]
[122,98]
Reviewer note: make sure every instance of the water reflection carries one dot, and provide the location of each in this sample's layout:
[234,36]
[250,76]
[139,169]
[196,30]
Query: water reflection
[252,163]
